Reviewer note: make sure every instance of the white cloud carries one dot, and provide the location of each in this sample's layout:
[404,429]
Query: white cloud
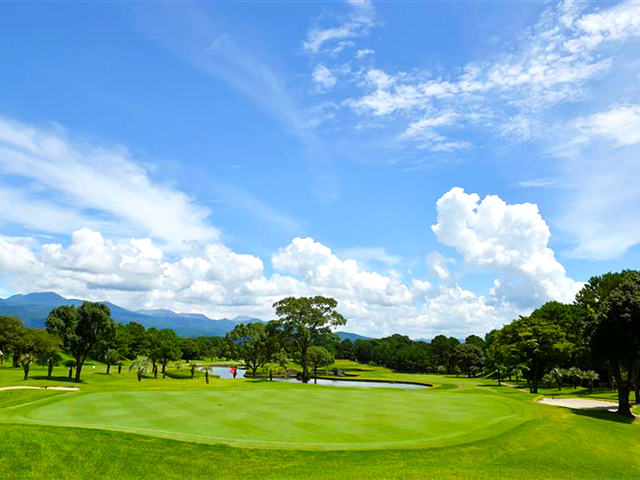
[324,77]
[552,62]
[509,239]
[599,162]
[621,123]
[356,24]
[360,54]
[214,280]
[437,263]
[85,177]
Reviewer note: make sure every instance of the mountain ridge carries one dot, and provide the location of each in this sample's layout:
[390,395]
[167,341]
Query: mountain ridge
[33,308]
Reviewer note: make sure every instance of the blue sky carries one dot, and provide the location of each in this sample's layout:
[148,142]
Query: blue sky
[214,157]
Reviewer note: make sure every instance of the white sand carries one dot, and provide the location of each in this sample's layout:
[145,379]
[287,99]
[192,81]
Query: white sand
[72,389]
[580,403]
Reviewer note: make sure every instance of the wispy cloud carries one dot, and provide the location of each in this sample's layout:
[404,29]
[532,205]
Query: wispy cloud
[356,23]
[204,43]
[75,183]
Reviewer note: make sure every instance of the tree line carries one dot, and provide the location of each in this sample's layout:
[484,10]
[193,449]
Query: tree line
[596,337]
[89,331]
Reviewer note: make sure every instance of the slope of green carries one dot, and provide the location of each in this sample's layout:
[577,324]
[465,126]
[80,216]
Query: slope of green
[465,428]
[288,415]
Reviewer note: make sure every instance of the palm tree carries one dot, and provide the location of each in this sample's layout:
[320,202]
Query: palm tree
[576,375]
[111,357]
[25,361]
[140,365]
[590,376]
[557,374]
[50,359]
[70,364]
[547,379]
[501,371]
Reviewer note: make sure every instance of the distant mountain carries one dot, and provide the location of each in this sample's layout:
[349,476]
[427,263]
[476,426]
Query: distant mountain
[33,308]
[351,336]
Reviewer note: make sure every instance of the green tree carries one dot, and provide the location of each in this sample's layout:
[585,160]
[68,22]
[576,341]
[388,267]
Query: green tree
[254,344]
[319,357]
[279,361]
[305,321]
[82,329]
[615,336]
[12,332]
[25,361]
[111,357]
[140,365]
[469,358]
[190,349]
[70,364]
[164,348]
[590,376]
[557,374]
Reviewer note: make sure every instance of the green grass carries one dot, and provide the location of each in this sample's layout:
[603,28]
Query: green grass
[182,428]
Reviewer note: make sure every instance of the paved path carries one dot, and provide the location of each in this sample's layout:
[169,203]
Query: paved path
[72,389]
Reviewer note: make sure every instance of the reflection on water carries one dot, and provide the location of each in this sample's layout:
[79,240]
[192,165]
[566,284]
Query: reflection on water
[354,383]
[223,372]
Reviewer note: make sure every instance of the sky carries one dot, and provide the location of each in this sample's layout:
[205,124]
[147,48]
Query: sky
[437,167]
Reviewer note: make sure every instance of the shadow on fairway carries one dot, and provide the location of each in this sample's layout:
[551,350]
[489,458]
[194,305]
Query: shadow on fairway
[601,413]
[64,379]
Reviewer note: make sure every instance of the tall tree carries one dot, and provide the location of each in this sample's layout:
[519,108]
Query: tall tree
[82,329]
[615,336]
[305,321]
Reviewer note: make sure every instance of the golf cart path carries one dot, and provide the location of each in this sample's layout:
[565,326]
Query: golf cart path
[580,403]
[72,389]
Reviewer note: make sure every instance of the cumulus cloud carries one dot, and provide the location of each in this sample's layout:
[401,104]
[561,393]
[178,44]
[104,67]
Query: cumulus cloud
[509,239]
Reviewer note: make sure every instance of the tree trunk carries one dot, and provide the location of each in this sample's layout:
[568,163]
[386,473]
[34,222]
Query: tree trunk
[50,368]
[108,368]
[139,375]
[193,371]
[315,375]
[119,369]
[206,376]
[305,368]
[78,371]
[26,372]
[637,392]
[164,368]
[271,375]
[70,372]
[624,408]
[16,357]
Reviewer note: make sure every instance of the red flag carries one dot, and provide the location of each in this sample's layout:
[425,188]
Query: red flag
[232,370]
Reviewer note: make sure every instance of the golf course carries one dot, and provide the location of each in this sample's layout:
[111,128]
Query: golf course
[114,426]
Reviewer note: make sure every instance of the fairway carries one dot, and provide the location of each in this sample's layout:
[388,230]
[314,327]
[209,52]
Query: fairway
[288,416]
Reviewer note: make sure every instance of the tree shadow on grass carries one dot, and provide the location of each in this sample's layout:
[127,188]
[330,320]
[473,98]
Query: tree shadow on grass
[602,413]
[56,379]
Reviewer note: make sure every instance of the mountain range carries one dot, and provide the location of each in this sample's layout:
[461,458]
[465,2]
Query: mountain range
[33,308]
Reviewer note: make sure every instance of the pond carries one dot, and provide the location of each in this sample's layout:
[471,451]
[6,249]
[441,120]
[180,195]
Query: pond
[224,373]
[354,383]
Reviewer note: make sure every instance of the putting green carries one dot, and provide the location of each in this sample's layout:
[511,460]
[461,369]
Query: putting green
[288,416]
